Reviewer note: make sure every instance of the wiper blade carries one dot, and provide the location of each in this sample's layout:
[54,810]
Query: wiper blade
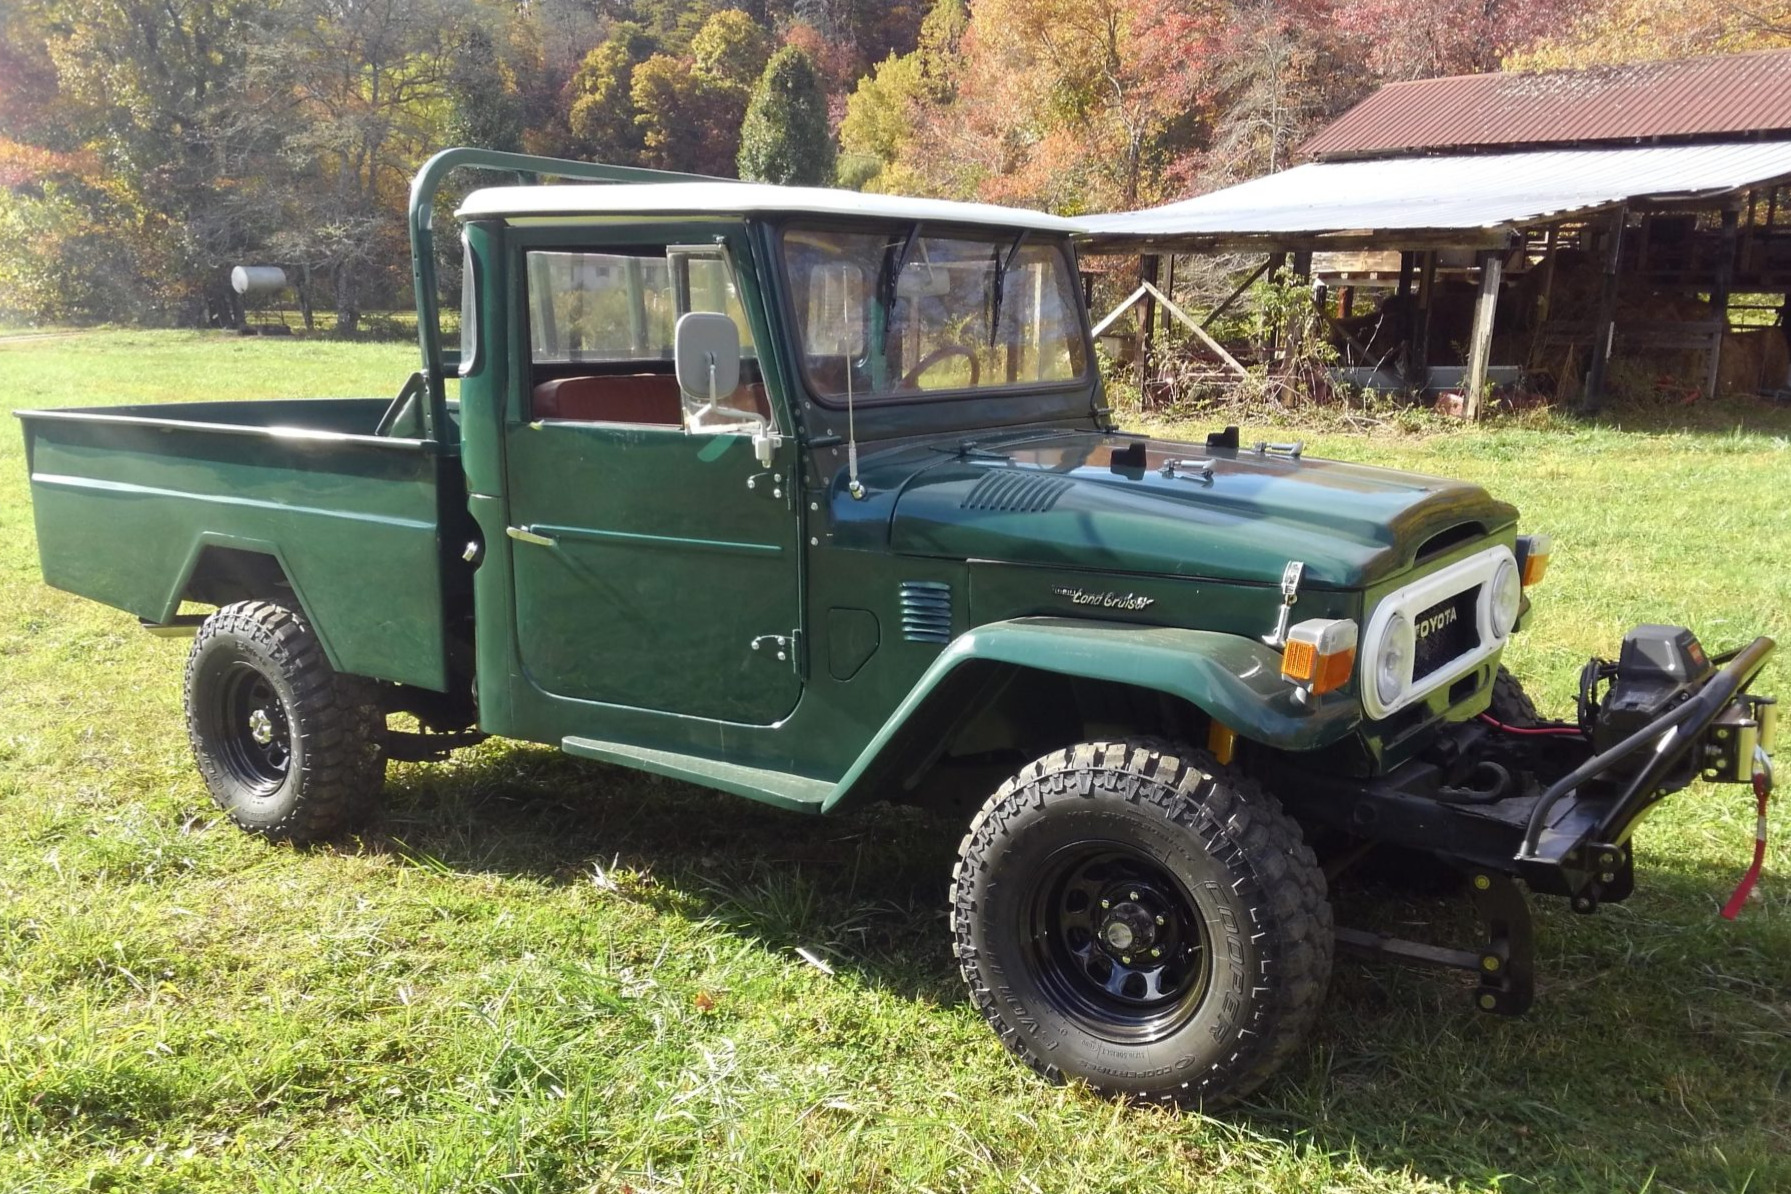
[1003,263]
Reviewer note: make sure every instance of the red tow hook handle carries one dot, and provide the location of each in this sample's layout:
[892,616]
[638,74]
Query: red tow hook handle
[1762,793]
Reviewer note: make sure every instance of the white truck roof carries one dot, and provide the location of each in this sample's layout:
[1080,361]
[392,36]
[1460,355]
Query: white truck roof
[743,198]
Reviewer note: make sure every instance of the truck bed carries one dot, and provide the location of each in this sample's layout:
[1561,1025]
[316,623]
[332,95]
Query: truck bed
[142,507]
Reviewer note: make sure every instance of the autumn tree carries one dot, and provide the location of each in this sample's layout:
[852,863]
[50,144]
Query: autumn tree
[1617,31]
[785,138]
[1423,39]
[370,81]
[602,114]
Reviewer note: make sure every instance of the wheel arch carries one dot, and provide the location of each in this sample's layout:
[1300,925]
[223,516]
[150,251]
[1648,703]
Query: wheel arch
[1174,679]
[221,569]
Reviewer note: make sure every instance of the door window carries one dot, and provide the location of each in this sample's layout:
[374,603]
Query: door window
[601,328]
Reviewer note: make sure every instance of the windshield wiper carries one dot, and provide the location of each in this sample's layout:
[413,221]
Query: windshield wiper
[1002,264]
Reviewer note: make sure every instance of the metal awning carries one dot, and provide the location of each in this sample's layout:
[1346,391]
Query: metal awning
[1464,199]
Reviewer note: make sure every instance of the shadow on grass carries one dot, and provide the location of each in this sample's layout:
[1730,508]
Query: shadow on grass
[1649,1055]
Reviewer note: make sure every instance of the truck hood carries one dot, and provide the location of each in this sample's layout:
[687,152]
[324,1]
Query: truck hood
[1062,499]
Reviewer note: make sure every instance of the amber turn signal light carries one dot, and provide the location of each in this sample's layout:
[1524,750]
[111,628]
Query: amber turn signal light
[1532,557]
[1320,654]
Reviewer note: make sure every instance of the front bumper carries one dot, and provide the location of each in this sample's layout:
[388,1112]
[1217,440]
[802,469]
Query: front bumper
[1564,821]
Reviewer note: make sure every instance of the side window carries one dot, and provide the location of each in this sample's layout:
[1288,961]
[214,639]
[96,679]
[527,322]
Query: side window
[601,326]
[469,309]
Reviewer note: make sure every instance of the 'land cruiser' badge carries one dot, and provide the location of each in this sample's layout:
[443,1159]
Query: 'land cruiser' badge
[1105,600]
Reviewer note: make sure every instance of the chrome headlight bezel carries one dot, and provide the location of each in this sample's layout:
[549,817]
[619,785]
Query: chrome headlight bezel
[1407,602]
[1504,600]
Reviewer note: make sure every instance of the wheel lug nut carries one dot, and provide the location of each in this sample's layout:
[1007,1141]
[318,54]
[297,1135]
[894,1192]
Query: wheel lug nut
[1162,920]
[1126,958]
[1132,895]
[1106,903]
[1156,953]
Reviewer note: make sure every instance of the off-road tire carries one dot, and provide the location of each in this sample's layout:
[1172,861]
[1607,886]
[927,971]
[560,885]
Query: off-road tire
[258,657]
[1511,705]
[1252,885]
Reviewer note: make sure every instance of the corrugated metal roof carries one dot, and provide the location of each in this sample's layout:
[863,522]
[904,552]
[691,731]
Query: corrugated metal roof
[1466,192]
[1721,94]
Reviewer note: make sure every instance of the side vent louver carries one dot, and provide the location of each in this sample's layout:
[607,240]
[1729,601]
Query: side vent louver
[926,611]
[1015,491]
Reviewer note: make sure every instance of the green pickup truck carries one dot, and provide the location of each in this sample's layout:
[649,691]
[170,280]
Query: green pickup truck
[813,497]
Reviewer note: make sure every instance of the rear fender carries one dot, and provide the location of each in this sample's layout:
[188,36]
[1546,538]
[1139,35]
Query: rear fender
[1237,681]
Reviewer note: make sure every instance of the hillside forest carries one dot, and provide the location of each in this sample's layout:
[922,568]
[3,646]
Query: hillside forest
[146,146]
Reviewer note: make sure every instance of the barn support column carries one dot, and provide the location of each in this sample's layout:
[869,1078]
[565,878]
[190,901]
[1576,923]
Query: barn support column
[1480,341]
[1147,321]
[1719,295]
[1418,368]
[1604,325]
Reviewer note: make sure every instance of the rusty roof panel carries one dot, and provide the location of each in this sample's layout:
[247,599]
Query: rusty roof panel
[1717,95]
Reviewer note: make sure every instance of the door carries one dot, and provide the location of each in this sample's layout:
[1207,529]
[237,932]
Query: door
[655,555]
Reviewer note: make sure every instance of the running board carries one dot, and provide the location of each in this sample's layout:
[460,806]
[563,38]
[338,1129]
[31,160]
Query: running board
[773,787]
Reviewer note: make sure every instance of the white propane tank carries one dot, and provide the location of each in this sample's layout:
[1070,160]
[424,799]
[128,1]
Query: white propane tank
[257,279]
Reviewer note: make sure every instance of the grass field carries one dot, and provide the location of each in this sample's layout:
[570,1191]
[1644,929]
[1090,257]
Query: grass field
[538,975]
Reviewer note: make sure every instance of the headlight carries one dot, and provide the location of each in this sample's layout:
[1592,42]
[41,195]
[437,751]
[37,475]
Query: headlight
[1393,659]
[1507,592]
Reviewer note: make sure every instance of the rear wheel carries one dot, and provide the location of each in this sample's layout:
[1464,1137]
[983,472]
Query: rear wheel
[1143,920]
[288,747]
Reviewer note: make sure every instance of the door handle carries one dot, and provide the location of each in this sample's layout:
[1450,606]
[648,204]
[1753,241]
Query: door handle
[522,535]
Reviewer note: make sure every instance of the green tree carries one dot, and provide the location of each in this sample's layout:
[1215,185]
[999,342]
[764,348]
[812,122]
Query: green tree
[879,126]
[484,109]
[731,47]
[785,138]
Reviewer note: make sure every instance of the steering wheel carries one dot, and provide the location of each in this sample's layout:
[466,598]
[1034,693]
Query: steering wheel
[910,378]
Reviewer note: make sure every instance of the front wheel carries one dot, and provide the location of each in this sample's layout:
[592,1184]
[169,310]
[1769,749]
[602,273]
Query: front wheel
[289,747]
[1144,920]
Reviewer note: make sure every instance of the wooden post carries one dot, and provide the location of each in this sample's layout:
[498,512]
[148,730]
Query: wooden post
[1550,250]
[1147,319]
[1480,342]
[1719,295]
[1418,368]
[1604,325]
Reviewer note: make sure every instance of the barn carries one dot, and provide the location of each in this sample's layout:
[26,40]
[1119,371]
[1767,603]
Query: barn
[1532,229]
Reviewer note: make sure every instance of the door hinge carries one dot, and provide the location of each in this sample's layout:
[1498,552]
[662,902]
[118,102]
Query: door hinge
[787,648]
[767,485]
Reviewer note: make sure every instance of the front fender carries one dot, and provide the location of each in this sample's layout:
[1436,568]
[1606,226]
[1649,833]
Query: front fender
[1235,680]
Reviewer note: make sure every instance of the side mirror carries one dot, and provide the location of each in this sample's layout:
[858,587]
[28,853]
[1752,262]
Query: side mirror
[706,349]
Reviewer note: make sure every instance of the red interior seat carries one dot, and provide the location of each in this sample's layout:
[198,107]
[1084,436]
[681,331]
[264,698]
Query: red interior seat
[650,398]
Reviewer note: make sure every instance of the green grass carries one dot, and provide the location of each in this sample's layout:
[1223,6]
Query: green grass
[536,975]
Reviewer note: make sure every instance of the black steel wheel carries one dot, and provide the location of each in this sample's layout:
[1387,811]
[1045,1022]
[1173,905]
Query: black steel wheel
[1137,917]
[1118,942]
[289,748]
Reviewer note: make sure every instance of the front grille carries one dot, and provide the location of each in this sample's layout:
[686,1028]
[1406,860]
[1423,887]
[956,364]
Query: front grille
[926,611]
[1445,632]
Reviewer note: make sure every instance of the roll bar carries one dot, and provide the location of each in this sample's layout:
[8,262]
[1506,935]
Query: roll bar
[423,190]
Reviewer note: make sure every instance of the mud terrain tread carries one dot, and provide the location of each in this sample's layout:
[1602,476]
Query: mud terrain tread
[1245,827]
[1511,705]
[337,717]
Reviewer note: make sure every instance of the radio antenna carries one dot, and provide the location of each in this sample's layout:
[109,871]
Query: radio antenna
[853,485]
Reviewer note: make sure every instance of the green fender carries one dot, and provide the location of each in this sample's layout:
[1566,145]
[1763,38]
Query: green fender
[1235,680]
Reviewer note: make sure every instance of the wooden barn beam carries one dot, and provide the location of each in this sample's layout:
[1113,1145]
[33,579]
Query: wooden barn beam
[1719,295]
[1604,324]
[1235,295]
[1480,341]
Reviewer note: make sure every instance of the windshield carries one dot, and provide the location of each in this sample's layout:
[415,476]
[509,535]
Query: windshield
[887,314]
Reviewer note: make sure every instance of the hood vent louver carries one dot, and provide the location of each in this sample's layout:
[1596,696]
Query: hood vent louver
[926,611]
[1016,492]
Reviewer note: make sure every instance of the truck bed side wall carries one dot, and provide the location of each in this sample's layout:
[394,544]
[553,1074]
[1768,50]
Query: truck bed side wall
[126,506]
